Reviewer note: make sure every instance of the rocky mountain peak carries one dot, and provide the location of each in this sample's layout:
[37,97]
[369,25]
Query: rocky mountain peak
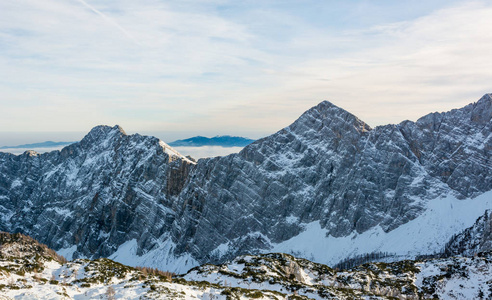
[30,153]
[115,139]
[482,110]
[487,98]
[323,128]
[479,112]
[326,114]
[101,133]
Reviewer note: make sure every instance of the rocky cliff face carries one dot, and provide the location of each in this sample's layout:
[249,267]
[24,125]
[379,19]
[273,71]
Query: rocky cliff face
[95,194]
[456,146]
[331,167]
[327,167]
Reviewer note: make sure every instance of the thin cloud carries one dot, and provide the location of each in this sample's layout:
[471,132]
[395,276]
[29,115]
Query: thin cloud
[65,64]
[109,20]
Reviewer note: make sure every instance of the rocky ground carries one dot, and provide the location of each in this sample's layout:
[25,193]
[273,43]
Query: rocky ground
[29,270]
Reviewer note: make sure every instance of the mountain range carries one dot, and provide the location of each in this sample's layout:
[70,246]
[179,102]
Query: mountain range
[327,188]
[197,141]
[47,144]
[223,141]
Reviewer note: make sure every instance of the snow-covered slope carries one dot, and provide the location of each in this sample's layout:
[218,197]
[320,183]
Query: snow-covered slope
[426,234]
[29,270]
[326,187]
[449,278]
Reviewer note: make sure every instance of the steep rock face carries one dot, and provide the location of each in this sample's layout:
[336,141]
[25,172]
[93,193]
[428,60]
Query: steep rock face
[96,194]
[330,167]
[265,191]
[327,167]
[456,146]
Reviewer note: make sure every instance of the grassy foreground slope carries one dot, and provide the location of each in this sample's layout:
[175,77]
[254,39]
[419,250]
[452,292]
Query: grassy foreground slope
[30,270]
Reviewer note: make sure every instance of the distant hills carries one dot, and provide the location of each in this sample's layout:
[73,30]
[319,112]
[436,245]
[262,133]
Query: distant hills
[47,144]
[197,141]
[223,140]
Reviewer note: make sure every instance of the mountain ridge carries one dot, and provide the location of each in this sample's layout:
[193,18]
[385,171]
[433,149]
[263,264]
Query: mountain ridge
[46,144]
[328,172]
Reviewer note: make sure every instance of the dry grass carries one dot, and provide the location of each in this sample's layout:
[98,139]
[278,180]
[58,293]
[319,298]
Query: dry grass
[28,244]
[146,271]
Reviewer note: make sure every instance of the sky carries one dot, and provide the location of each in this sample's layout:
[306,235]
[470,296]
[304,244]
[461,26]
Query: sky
[177,69]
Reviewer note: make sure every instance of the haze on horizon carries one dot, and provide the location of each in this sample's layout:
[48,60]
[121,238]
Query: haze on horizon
[215,67]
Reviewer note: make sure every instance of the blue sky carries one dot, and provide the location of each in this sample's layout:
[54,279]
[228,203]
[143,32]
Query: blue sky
[182,68]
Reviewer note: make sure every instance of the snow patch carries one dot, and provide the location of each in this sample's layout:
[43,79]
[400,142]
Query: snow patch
[67,252]
[426,234]
[61,211]
[291,219]
[161,257]
[16,183]
[173,153]
[221,249]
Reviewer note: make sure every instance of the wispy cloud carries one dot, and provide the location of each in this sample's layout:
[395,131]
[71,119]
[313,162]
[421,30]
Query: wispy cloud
[216,67]
[435,62]
[109,20]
